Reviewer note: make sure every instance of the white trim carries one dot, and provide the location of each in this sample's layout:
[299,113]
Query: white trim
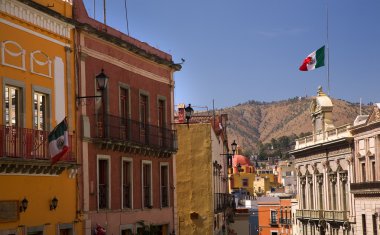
[168,183]
[35,17]
[130,160]
[34,33]
[4,51]
[108,158]
[146,162]
[40,63]
[124,65]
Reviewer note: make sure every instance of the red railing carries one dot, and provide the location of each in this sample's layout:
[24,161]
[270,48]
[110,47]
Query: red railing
[28,144]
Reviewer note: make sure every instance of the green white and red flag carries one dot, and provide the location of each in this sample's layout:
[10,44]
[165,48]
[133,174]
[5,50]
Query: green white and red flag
[314,60]
[58,141]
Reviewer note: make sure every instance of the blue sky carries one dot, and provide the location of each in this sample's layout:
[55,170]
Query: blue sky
[243,50]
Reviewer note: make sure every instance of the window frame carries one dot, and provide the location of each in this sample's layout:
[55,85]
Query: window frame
[146,162]
[162,165]
[130,161]
[108,159]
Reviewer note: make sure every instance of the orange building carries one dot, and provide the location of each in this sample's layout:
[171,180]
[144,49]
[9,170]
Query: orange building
[274,215]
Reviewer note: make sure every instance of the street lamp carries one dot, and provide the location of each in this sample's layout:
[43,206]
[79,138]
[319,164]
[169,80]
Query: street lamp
[233,147]
[188,113]
[101,81]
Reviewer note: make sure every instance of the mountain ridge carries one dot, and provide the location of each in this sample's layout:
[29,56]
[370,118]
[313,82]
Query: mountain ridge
[255,122]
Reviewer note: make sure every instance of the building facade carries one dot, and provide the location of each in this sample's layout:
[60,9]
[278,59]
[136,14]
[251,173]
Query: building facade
[274,215]
[37,80]
[365,185]
[127,141]
[323,164]
[203,203]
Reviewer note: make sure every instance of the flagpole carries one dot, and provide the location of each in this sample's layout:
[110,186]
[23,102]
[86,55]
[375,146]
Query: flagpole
[327,46]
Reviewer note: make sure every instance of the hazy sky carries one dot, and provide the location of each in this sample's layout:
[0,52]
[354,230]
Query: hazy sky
[240,50]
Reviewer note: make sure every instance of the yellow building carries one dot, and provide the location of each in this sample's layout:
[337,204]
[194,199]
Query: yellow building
[242,178]
[203,204]
[37,90]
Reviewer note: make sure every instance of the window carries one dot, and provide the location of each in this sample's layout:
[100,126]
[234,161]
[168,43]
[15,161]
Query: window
[244,182]
[333,191]
[124,112]
[103,184]
[311,193]
[39,111]
[147,184]
[273,217]
[144,118]
[127,231]
[364,226]
[363,171]
[164,185]
[12,101]
[373,164]
[374,224]
[161,122]
[127,184]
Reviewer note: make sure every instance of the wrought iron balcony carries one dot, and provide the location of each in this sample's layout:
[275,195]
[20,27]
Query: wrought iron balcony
[329,215]
[273,222]
[123,133]
[285,221]
[223,201]
[26,151]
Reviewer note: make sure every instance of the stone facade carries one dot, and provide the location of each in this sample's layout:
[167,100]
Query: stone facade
[323,165]
[366,181]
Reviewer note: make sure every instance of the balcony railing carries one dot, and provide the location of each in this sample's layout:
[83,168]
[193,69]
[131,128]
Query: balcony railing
[28,144]
[336,215]
[320,137]
[273,222]
[222,201]
[330,215]
[119,129]
[285,221]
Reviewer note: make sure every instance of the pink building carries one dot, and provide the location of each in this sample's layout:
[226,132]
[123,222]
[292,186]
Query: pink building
[126,140]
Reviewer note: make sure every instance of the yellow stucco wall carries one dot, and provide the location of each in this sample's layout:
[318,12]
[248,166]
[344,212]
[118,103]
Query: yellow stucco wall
[194,179]
[39,191]
[30,33]
[238,181]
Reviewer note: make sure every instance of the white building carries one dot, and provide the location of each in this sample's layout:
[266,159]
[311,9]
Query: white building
[323,165]
[366,172]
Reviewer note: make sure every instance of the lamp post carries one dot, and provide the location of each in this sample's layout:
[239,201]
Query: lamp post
[188,113]
[101,81]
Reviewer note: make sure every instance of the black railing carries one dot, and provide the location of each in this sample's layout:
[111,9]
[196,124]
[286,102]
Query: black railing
[103,196]
[273,222]
[135,132]
[147,202]
[285,221]
[126,196]
[222,201]
[28,144]
[164,196]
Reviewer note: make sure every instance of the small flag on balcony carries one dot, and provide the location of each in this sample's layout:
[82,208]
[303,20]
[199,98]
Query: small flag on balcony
[58,142]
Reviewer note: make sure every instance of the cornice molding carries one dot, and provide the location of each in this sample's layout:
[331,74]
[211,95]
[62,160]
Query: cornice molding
[34,17]
[121,64]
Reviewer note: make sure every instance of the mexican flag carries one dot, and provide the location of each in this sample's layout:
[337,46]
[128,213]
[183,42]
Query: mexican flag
[315,60]
[58,141]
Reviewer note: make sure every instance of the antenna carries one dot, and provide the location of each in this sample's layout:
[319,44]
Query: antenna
[104,12]
[327,47]
[126,15]
[360,109]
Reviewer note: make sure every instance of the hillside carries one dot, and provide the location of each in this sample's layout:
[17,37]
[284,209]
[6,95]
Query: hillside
[254,122]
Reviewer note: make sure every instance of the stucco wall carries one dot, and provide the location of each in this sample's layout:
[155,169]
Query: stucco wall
[194,179]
